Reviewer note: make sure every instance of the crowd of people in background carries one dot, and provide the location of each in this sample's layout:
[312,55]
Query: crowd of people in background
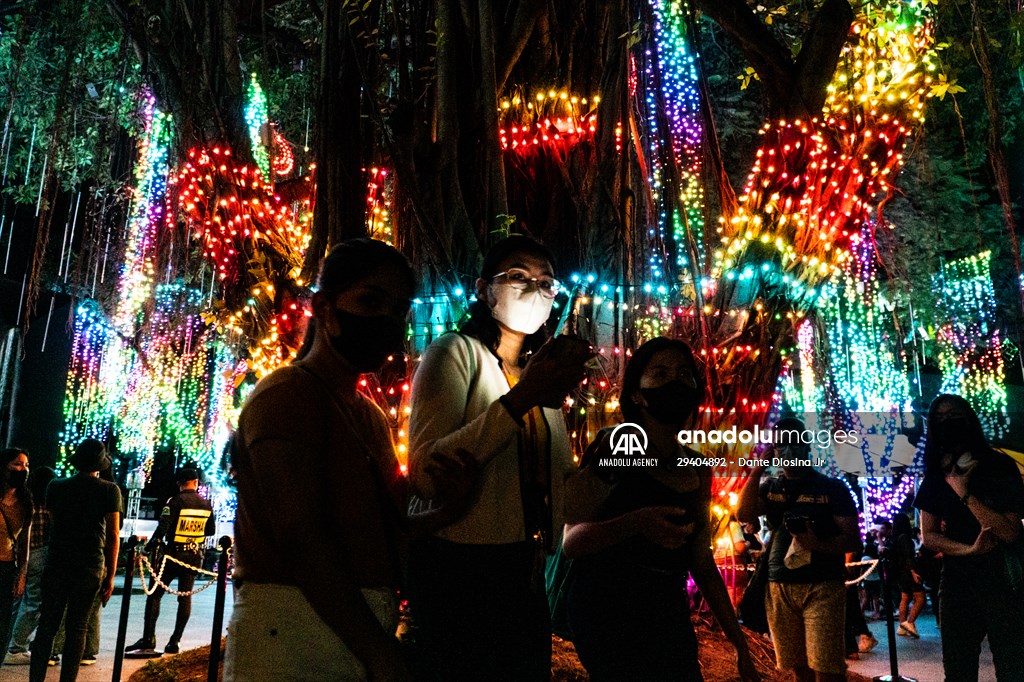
[59,549]
[331,536]
[83,522]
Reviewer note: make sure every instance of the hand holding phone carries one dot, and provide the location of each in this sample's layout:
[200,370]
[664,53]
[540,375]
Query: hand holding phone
[551,373]
[571,349]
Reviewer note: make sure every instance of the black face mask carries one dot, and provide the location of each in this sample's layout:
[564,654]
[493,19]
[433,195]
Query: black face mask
[16,479]
[952,434]
[366,341]
[670,403]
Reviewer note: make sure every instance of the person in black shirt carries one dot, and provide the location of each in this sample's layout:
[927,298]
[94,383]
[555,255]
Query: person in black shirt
[185,522]
[85,519]
[635,535]
[908,578]
[972,503]
[813,519]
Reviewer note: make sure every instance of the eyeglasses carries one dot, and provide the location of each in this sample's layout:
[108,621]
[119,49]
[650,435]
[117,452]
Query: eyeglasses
[521,280]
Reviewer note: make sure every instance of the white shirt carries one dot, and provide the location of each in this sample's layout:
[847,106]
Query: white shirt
[455,406]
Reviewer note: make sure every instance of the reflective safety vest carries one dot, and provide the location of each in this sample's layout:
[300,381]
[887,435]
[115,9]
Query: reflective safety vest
[191,526]
[186,521]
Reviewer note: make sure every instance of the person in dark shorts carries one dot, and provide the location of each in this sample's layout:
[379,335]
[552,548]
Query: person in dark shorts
[908,577]
[186,521]
[872,598]
[85,521]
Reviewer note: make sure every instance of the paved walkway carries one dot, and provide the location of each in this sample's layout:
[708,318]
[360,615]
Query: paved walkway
[196,635]
[920,659]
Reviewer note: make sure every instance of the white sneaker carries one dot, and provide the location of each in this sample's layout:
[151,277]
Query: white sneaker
[911,629]
[866,643]
[19,658]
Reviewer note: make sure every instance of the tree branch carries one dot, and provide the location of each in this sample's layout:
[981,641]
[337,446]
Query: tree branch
[289,43]
[794,89]
[819,56]
[495,200]
[769,58]
[512,48]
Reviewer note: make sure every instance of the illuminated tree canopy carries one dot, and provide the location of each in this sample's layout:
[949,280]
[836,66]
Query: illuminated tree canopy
[711,170]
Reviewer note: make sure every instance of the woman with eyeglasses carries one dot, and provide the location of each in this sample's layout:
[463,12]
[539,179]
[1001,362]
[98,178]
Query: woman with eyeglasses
[493,391]
[636,533]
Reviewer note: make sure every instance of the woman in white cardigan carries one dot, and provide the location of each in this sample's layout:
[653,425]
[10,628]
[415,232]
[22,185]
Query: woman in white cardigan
[493,391]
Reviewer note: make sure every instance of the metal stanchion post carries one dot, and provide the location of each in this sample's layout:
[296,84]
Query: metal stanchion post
[218,609]
[894,666]
[126,598]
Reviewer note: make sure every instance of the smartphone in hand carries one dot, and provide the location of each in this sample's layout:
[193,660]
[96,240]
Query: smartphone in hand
[571,349]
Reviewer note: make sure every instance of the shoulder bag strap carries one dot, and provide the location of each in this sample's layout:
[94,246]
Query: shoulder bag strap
[7,526]
[388,510]
[472,368]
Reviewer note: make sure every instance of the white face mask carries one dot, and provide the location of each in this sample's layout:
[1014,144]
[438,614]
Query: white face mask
[521,311]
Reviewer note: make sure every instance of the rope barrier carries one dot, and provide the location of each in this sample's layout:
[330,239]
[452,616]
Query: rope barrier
[872,562]
[145,565]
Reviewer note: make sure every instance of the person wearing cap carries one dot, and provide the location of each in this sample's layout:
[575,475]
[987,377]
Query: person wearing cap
[85,522]
[186,521]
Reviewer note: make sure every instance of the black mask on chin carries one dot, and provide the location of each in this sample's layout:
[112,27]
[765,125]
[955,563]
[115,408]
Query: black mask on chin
[670,403]
[366,341]
[16,479]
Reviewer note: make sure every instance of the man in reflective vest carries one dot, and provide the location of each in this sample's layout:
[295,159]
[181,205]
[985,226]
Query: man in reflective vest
[185,522]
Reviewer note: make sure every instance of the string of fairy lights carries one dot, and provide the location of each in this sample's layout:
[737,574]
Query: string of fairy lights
[169,367]
[257,122]
[379,189]
[673,75]
[970,343]
[868,387]
[549,121]
[163,371]
[815,182]
[146,377]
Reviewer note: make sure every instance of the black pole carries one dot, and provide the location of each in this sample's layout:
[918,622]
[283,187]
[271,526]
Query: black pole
[890,626]
[894,666]
[218,609]
[126,599]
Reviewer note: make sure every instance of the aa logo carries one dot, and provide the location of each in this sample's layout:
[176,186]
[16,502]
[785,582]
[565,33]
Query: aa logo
[629,440]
